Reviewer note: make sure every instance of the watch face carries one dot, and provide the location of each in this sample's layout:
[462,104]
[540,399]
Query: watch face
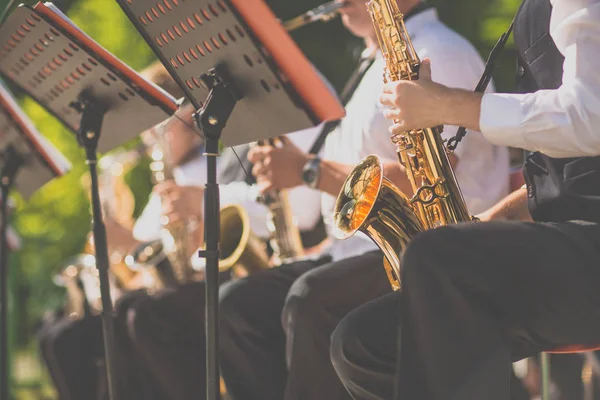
[309,175]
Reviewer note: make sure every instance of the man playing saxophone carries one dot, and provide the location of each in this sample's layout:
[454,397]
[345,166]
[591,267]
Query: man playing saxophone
[168,328]
[275,326]
[477,296]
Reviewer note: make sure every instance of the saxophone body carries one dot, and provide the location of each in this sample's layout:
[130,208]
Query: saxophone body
[369,202]
[174,235]
[285,235]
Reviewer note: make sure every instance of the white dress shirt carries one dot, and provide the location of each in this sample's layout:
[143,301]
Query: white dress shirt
[563,122]
[303,200]
[483,169]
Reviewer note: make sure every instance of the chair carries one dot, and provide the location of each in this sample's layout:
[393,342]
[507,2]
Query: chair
[571,349]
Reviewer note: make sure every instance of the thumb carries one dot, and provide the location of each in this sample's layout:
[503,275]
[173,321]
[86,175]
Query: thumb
[425,69]
[287,143]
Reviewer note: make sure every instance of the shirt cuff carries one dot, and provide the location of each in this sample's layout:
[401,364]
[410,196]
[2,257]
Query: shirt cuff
[501,119]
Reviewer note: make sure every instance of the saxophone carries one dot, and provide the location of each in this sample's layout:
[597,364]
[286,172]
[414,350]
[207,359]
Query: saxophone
[285,235]
[369,202]
[174,235]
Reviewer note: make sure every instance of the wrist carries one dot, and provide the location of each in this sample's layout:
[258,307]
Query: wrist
[311,171]
[461,107]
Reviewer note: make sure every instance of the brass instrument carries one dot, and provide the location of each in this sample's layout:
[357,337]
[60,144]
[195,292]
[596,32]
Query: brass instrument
[323,13]
[242,252]
[285,235]
[371,203]
[79,276]
[174,235]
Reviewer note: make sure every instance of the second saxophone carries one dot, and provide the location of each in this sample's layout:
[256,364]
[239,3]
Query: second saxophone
[369,202]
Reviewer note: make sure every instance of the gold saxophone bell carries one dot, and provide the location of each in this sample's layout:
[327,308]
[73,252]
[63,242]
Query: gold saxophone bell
[370,203]
[242,252]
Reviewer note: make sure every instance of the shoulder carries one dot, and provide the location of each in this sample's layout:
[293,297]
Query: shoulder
[454,60]
[439,41]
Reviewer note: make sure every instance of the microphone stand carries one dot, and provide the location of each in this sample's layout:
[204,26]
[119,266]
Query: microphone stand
[12,163]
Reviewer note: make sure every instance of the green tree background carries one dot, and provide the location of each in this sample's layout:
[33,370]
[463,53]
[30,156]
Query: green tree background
[54,223]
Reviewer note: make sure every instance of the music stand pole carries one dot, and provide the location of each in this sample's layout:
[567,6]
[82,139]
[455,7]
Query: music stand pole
[211,120]
[88,134]
[12,163]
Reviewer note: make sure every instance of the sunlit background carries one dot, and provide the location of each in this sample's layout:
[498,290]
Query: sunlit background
[55,222]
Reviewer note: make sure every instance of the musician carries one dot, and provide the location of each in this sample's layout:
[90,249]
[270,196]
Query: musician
[477,296]
[73,348]
[168,328]
[275,325]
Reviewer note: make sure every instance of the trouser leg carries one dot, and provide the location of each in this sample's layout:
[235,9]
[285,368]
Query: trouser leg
[132,375]
[315,304]
[72,349]
[167,331]
[252,341]
[475,297]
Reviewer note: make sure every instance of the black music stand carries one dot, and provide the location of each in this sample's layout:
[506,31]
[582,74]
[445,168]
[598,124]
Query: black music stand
[23,152]
[226,55]
[91,92]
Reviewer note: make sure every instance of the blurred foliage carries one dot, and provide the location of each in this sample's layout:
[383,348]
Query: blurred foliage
[55,221]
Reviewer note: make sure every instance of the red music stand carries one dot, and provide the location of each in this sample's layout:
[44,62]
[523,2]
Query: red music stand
[226,55]
[26,154]
[91,92]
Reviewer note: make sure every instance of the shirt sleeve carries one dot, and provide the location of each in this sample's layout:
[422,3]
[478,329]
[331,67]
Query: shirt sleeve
[147,226]
[563,122]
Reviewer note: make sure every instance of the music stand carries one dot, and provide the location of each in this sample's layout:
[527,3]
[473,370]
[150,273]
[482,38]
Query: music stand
[23,152]
[226,55]
[91,92]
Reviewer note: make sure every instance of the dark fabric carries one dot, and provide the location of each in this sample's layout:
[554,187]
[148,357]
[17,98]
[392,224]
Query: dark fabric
[72,351]
[559,189]
[476,297]
[168,332]
[315,236]
[276,325]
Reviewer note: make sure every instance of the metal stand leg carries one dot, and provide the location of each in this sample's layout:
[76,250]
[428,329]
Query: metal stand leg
[545,376]
[92,115]
[219,105]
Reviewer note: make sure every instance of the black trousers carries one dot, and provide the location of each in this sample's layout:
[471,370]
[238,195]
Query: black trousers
[276,326]
[74,354]
[475,298]
[72,351]
[168,332]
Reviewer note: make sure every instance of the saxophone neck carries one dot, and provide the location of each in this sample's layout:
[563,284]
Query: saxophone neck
[402,61]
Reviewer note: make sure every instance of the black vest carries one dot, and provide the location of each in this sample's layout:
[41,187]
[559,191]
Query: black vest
[559,189]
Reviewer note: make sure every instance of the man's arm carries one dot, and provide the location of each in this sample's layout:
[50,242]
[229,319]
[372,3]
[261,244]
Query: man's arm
[281,168]
[560,123]
[512,208]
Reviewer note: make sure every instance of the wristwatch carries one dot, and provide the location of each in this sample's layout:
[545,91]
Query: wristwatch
[312,172]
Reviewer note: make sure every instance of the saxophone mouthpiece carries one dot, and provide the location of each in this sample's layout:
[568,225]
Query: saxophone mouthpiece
[324,13]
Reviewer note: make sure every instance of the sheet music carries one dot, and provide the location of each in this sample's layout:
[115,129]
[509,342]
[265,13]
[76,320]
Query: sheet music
[43,162]
[55,62]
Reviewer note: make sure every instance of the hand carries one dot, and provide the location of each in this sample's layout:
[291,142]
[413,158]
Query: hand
[180,202]
[415,104]
[487,216]
[278,167]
